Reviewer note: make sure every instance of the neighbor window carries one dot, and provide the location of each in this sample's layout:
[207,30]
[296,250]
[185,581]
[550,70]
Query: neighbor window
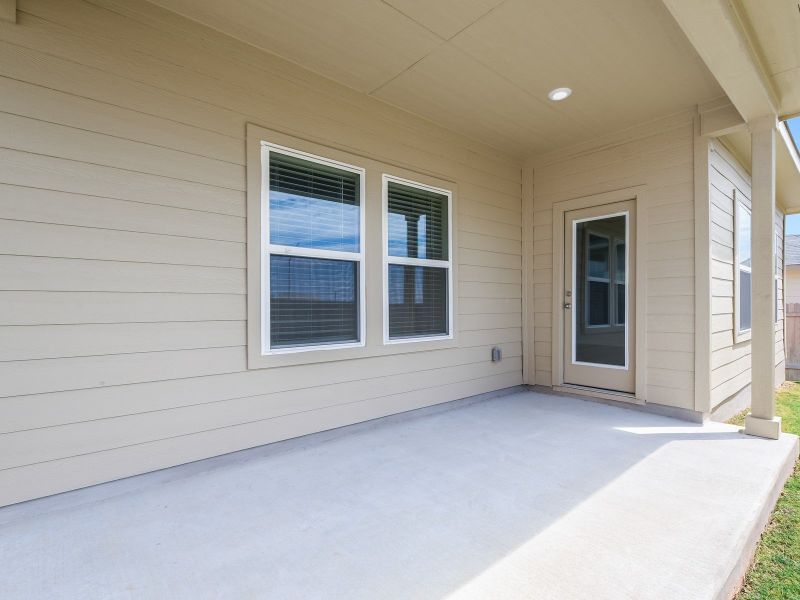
[743,263]
[313,275]
[418,273]
[602,286]
[619,280]
[599,281]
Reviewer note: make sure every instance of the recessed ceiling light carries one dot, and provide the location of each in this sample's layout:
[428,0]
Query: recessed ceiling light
[559,94]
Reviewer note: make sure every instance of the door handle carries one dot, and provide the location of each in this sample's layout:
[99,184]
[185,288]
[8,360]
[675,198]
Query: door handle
[567,305]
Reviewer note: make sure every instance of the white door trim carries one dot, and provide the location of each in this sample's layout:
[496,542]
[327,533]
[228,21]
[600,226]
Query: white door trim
[638,194]
[627,215]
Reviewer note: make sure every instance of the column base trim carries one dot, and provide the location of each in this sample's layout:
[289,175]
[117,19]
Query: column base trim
[765,428]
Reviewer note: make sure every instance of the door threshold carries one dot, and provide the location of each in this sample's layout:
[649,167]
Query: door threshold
[583,390]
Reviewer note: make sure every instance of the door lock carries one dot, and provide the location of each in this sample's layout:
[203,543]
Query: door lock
[567,305]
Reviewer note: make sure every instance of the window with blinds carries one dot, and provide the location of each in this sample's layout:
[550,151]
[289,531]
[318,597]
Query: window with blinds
[315,258]
[418,260]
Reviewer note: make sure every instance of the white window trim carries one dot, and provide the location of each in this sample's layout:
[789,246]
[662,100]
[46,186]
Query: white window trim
[422,262]
[266,249]
[626,214]
[741,335]
[371,303]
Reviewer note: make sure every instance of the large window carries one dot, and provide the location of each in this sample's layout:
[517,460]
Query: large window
[343,260]
[743,252]
[417,251]
[313,274]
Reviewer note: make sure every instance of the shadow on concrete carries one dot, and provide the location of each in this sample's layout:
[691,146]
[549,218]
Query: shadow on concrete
[534,493]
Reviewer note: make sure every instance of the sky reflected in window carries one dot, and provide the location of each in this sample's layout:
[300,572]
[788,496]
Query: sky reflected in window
[307,222]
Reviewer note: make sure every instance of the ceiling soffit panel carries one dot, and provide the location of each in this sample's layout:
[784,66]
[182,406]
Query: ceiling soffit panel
[624,70]
[774,32]
[483,68]
[360,43]
[453,89]
[445,18]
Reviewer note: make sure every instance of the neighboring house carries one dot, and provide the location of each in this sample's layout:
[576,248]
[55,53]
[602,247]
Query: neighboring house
[792,249]
[792,283]
[227,224]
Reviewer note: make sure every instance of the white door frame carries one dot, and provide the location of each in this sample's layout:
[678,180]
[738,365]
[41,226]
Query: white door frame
[638,195]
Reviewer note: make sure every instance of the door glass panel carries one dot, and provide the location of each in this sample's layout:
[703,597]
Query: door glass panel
[600,291]
[619,278]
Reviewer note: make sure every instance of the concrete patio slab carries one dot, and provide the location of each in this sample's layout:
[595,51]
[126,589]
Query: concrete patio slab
[528,495]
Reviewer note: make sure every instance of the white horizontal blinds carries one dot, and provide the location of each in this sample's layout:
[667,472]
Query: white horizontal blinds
[418,261]
[314,246]
[313,301]
[417,222]
[312,205]
[743,265]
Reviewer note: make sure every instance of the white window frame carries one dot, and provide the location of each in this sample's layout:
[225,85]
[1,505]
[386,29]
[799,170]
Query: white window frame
[741,334]
[267,249]
[575,223]
[421,262]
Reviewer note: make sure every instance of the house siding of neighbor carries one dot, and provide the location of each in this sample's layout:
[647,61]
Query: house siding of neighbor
[123,240]
[792,247]
[729,182]
[792,286]
[132,201]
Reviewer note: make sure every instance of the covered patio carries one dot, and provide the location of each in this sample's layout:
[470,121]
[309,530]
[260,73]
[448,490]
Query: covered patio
[524,495]
[234,363]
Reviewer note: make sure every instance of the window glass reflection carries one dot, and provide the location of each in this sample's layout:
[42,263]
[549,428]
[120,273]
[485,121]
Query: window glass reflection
[600,291]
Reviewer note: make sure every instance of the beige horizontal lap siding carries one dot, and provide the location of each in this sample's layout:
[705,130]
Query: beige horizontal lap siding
[730,357]
[122,249]
[658,156]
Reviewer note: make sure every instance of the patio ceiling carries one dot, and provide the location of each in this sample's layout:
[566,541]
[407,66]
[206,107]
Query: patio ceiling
[787,170]
[753,49]
[774,29]
[484,67]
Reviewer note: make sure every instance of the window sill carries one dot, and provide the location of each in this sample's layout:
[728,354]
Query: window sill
[257,360]
[741,337]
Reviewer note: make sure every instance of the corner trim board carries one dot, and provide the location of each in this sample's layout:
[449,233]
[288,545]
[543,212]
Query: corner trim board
[702,270]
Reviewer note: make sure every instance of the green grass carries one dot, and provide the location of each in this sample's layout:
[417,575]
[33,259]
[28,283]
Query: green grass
[775,572]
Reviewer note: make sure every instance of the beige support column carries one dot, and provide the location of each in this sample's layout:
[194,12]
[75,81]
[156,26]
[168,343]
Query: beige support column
[762,421]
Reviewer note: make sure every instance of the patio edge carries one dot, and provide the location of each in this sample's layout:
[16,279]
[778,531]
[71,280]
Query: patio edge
[749,543]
